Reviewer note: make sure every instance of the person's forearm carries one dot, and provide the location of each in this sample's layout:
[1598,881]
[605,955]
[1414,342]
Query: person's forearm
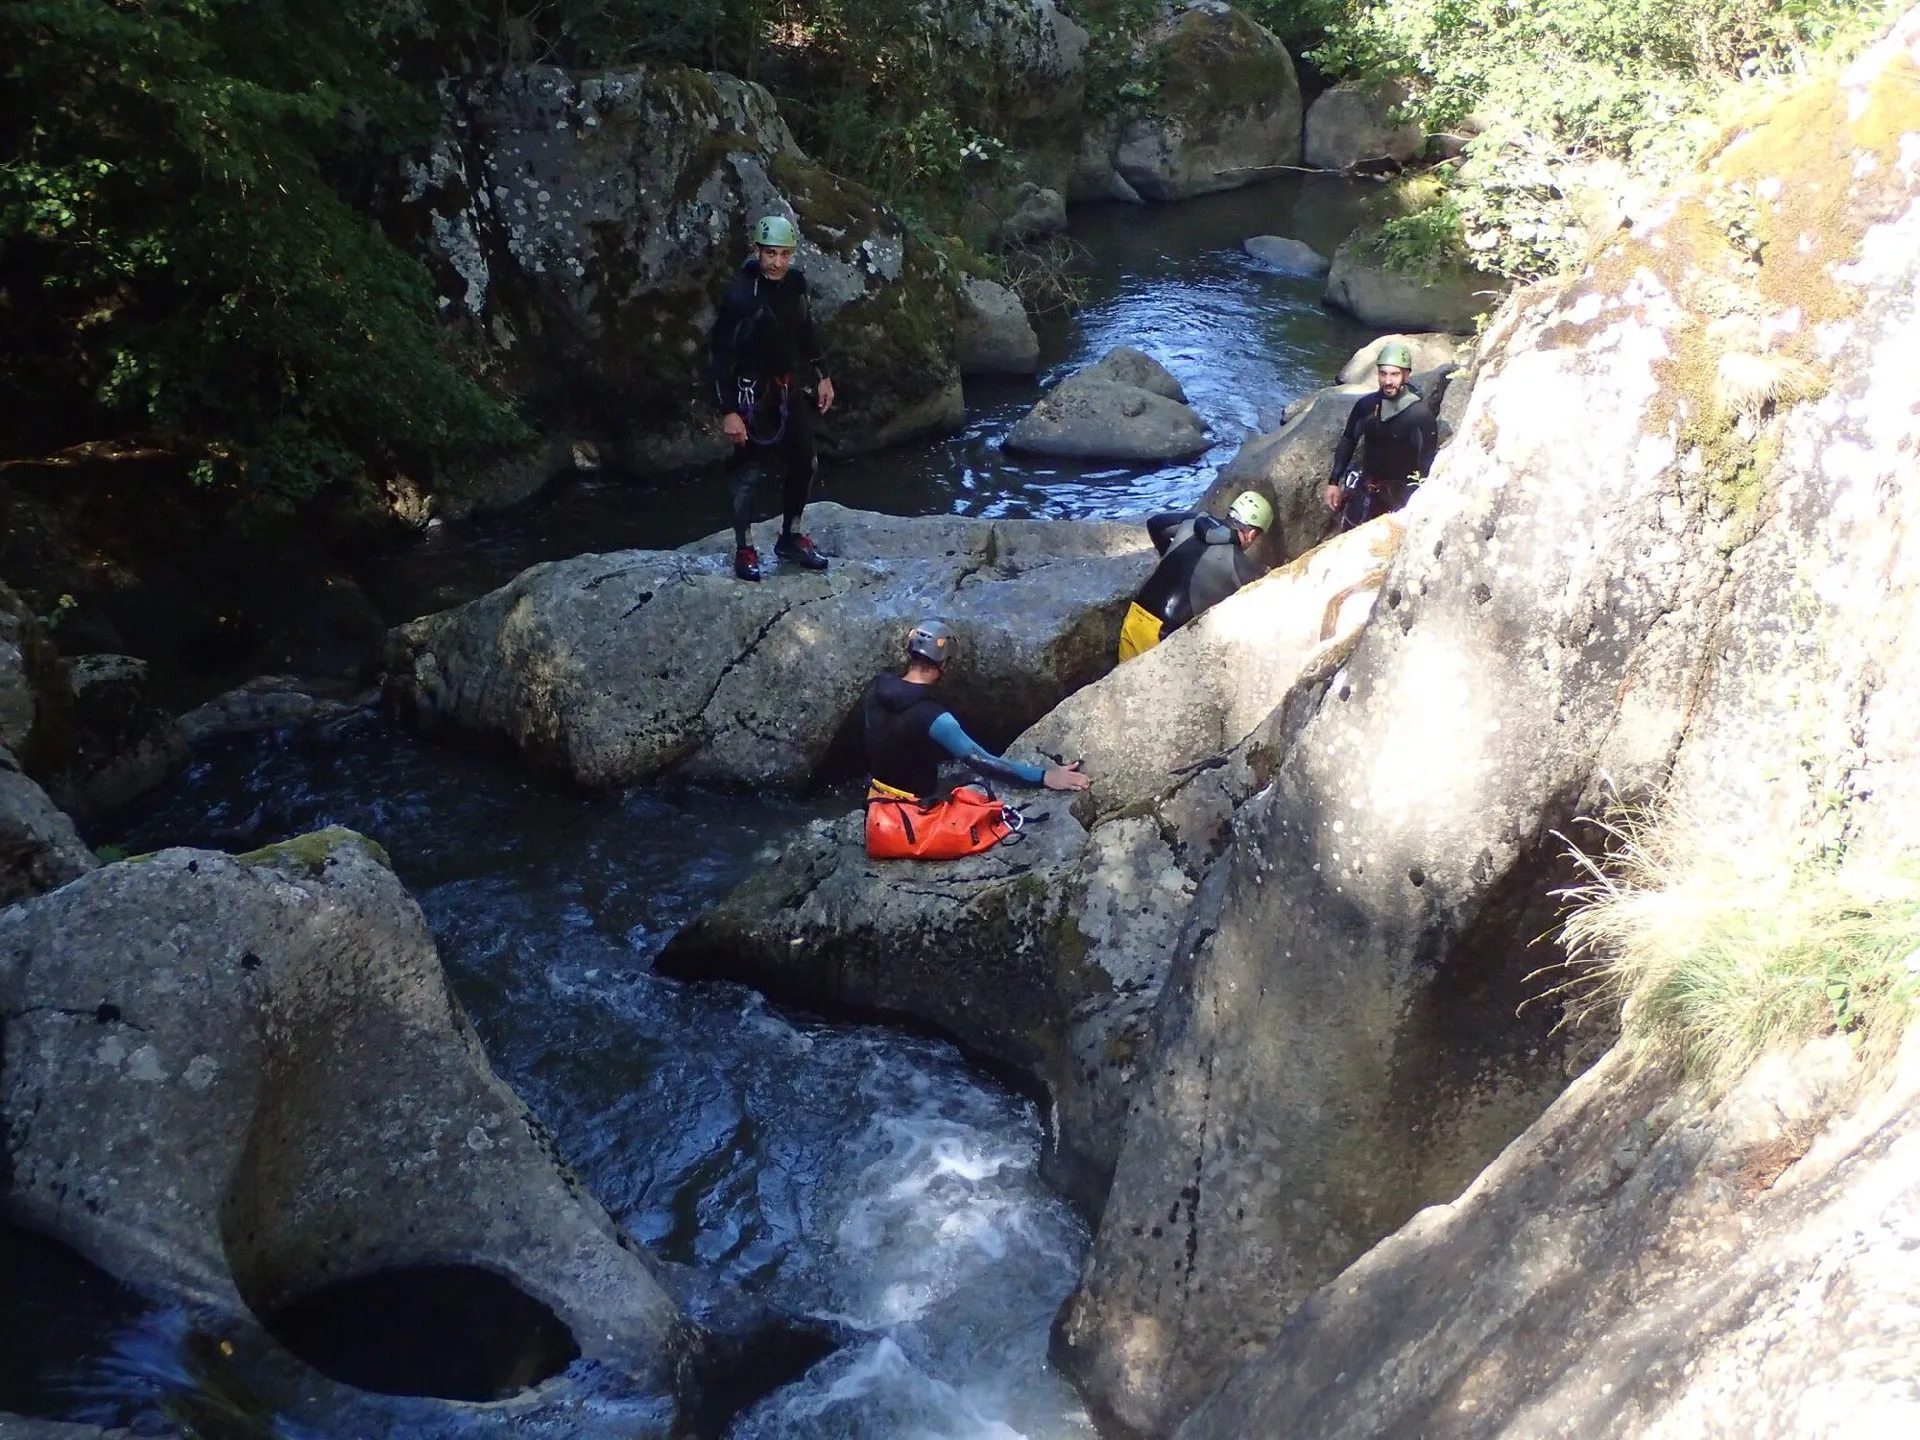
[947,733]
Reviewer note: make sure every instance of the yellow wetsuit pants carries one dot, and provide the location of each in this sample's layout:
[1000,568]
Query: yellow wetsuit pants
[1139,634]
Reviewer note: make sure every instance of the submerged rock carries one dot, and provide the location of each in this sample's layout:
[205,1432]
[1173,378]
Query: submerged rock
[617,668]
[1290,257]
[1125,407]
[232,1081]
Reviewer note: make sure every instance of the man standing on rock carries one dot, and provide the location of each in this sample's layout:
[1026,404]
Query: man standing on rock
[1395,433]
[765,331]
[1203,560]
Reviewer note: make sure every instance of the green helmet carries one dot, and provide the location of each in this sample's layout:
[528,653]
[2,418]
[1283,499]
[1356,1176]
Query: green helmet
[930,640]
[1397,353]
[776,230]
[1252,509]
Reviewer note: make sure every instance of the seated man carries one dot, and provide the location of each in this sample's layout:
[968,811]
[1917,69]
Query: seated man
[1203,560]
[908,734]
[1394,435]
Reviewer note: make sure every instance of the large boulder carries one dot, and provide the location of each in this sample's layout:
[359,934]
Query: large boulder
[1038,53]
[1352,124]
[1452,297]
[39,848]
[583,227]
[1342,1047]
[1289,466]
[1037,211]
[1125,407]
[233,1082]
[1047,953]
[1227,111]
[617,668]
[994,337]
[1637,1263]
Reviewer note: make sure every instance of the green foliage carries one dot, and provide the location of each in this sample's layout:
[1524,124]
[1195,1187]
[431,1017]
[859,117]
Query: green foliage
[1718,946]
[1558,79]
[170,199]
[1420,243]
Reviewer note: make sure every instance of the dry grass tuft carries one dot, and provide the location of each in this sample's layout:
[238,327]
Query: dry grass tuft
[1717,945]
[1750,386]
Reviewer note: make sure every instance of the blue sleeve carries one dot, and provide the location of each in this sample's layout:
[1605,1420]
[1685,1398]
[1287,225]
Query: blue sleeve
[962,746]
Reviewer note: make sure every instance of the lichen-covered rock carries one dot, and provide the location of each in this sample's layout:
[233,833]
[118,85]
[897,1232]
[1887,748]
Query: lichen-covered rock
[39,848]
[1353,123]
[583,228]
[994,337]
[232,1080]
[1227,112]
[1342,1047]
[620,667]
[1127,406]
[1289,257]
[1637,1263]
[1452,298]
[1430,352]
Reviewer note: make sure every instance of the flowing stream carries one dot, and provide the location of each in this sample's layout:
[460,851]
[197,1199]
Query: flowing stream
[853,1173]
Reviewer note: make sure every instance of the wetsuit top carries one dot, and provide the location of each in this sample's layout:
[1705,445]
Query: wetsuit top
[909,733]
[765,330]
[1201,565]
[1397,438]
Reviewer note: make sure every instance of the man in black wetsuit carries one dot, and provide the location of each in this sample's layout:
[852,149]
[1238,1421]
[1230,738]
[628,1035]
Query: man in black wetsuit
[909,732]
[1395,433]
[764,333]
[1203,560]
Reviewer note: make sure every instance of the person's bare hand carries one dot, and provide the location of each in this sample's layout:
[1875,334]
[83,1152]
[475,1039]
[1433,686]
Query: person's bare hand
[1066,777]
[824,396]
[734,428]
[1333,496]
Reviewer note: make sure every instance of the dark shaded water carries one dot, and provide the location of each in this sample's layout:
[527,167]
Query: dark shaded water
[852,1173]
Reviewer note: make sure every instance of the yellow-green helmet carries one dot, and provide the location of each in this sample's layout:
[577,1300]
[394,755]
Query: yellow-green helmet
[1397,353]
[1252,509]
[776,230]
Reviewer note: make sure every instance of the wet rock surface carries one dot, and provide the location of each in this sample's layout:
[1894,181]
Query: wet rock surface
[1289,257]
[620,667]
[184,1035]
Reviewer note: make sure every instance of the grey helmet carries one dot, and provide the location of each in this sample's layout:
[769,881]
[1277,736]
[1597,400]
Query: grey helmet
[931,641]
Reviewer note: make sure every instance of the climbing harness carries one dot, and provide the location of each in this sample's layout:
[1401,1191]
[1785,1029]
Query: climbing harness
[747,400]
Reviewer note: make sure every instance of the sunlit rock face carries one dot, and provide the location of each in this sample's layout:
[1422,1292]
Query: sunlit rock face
[583,227]
[1635,568]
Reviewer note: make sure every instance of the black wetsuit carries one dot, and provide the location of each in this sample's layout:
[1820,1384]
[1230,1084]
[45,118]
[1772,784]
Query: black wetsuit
[1395,455]
[766,361]
[1201,565]
[909,733]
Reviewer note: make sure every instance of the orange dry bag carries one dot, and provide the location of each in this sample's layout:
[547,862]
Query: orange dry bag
[963,823]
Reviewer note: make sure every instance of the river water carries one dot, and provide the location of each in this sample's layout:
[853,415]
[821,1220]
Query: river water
[852,1173]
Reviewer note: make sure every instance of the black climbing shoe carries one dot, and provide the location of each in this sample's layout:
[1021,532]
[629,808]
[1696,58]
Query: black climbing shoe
[746,563]
[799,549]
